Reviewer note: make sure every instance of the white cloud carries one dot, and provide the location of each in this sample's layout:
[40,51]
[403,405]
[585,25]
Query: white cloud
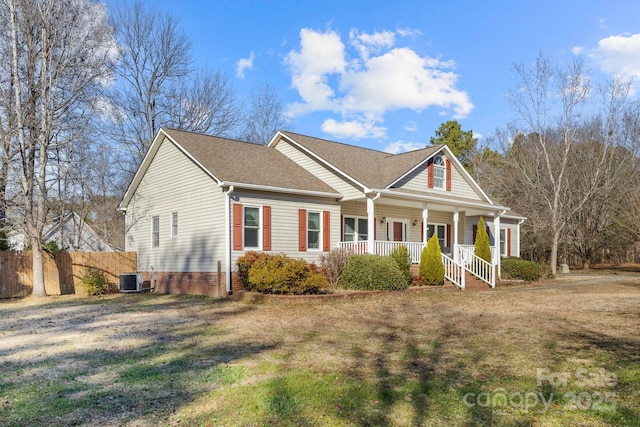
[378,79]
[577,50]
[618,55]
[352,129]
[477,135]
[411,126]
[401,147]
[243,65]
[408,32]
[603,23]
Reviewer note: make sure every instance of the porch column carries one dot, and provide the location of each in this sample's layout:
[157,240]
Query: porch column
[425,218]
[371,222]
[518,237]
[496,242]
[455,235]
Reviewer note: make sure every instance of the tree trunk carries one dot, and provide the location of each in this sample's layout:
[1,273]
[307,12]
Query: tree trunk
[554,253]
[38,271]
[585,265]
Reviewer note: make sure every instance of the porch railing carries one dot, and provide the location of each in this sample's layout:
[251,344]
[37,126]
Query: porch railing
[381,247]
[480,268]
[453,271]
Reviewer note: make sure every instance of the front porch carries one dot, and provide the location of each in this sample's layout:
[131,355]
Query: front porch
[457,265]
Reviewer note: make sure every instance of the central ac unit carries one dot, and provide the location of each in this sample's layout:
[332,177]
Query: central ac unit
[130,282]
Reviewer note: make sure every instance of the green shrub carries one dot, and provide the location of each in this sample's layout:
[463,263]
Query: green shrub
[279,274]
[482,246]
[368,272]
[244,264]
[400,255]
[334,262]
[94,282]
[518,268]
[431,267]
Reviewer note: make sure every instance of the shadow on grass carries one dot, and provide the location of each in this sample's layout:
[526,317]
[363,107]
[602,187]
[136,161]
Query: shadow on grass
[147,373]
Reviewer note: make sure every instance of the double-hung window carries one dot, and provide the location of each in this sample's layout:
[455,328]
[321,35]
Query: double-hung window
[314,228]
[355,229]
[251,227]
[503,242]
[440,230]
[155,232]
[439,172]
[174,224]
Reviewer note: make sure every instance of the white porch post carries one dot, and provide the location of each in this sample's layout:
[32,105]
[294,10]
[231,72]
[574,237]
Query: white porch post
[371,223]
[455,235]
[425,218]
[496,241]
[518,237]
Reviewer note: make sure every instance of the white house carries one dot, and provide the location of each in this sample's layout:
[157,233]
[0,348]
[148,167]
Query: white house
[197,200]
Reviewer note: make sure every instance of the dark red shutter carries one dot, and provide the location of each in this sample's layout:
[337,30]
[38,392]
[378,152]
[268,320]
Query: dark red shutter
[448,165]
[326,231]
[237,227]
[341,228]
[430,174]
[375,229]
[448,227]
[302,230]
[266,228]
[508,242]
[475,233]
[422,231]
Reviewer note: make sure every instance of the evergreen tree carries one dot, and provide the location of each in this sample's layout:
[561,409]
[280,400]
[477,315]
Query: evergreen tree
[431,267]
[462,143]
[482,247]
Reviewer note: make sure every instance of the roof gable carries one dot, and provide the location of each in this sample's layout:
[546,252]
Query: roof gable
[232,161]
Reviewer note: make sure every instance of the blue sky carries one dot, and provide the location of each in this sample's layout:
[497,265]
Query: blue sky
[386,74]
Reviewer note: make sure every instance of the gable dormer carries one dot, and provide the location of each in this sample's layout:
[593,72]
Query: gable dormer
[439,173]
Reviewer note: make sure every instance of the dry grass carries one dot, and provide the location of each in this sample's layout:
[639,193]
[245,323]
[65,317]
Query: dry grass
[407,358]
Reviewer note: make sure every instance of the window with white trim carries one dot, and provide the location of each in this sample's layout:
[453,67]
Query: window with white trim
[155,232]
[314,228]
[440,230]
[174,224]
[251,227]
[503,242]
[439,172]
[355,229]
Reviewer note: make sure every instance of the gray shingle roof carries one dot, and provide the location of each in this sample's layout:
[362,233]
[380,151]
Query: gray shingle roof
[243,162]
[372,168]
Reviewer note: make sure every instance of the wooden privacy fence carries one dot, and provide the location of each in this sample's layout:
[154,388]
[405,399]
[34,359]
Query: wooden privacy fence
[63,271]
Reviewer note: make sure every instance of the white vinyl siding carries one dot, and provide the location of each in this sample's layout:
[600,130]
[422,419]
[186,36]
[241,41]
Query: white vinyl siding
[284,221]
[418,181]
[319,170]
[173,183]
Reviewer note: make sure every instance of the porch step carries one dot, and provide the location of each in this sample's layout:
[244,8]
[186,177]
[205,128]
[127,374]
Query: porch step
[472,283]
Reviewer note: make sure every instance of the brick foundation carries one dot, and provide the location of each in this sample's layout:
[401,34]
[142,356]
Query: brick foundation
[200,283]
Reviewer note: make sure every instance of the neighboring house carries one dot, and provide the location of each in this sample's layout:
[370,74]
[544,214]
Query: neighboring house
[70,232]
[197,200]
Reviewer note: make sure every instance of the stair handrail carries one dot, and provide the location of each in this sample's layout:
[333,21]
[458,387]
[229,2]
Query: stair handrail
[477,266]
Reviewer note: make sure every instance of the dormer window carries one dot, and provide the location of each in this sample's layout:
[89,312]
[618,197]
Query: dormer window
[439,172]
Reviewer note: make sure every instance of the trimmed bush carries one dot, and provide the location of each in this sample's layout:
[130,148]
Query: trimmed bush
[482,246]
[279,274]
[94,282]
[518,268]
[401,256]
[369,272]
[244,264]
[333,263]
[431,267]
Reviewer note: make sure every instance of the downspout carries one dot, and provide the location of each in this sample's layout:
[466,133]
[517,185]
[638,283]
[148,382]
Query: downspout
[227,237]
[518,235]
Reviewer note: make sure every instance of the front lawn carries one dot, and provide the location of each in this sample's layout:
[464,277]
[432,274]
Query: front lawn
[539,356]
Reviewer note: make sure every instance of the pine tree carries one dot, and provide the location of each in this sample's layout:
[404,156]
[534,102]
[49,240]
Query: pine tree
[431,267]
[482,247]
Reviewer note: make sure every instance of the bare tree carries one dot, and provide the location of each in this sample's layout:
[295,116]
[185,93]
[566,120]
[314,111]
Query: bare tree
[60,58]
[265,117]
[157,87]
[543,163]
